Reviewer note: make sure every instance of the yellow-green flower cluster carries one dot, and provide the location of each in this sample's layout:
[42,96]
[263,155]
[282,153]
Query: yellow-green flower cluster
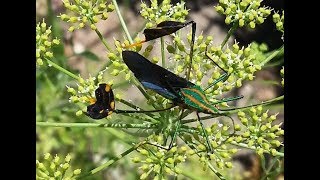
[117,64]
[239,62]
[55,168]
[244,12]
[259,50]
[44,43]
[164,11]
[86,12]
[260,133]
[159,160]
[279,21]
[182,58]
[219,136]
[282,75]
[85,92]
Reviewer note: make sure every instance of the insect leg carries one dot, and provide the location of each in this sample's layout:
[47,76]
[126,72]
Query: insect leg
[227,99]
[178,123]
[205,132]
[119,111]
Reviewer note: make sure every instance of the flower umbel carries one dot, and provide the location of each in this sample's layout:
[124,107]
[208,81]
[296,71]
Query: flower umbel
[244,12]
[44,43]
[54,167]
[85,12]
[163,12]
[260,133]
[239,62]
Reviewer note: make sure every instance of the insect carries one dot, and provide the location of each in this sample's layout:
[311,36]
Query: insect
[180,91]
[104,104]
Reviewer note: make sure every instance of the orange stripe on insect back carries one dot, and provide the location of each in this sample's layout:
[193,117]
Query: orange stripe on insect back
[199,93]
[134,44]
[197,102]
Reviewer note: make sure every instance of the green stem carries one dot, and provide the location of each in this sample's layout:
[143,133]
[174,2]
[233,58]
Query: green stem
[123,24]
[135,82]
[111,161]
[101,37]
[216,172]
[137,108]
[274,161]
[162,53]
[95,125]
[202,118]
[275,53]
[103,40]
[63,70]
[230,32]
[252,148]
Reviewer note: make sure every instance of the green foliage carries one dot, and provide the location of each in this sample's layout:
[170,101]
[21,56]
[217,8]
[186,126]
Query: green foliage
[137,143]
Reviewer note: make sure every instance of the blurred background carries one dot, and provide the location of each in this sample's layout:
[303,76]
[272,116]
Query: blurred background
[92,147]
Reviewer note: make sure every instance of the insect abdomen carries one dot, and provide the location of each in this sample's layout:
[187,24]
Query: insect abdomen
[195,98]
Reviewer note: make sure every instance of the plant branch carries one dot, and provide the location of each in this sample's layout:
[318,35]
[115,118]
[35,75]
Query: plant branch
[111,161]
[95,125]
[123,24]
[162,53]
[275,53]
[103,40]
[215,171]
[230,32]
[63,70]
